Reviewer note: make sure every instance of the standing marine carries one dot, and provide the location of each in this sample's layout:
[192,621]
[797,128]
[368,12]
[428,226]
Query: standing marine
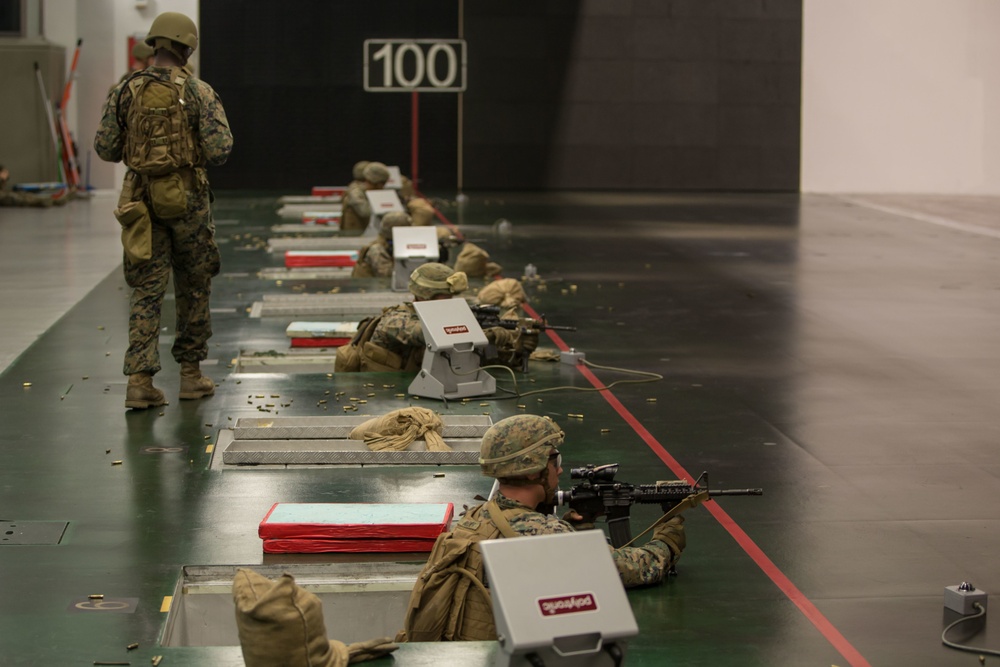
[168,127]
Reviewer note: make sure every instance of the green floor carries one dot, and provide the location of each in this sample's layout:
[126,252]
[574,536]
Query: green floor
[779,371]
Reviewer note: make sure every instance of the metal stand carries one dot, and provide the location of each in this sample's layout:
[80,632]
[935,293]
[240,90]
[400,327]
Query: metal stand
[450,368]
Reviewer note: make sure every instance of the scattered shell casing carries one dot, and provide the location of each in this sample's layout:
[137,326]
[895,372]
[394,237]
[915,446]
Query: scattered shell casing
[651,400]
[483,405]
[132,646]
[156,660]
[400,395]
[25,384]
[96,596]
[439,474]
[362,400]
[522,406]
[605,430]
[117,463]
[371,394]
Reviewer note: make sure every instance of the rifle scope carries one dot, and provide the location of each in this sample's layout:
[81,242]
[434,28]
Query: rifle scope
[604,473]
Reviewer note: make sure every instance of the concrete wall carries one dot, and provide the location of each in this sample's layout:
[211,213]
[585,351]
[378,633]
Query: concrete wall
[901,96]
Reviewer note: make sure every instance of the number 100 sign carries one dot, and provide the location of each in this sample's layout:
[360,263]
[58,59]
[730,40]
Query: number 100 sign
[422,65]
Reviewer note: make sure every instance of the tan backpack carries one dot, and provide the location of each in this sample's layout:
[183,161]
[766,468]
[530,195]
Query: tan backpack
[159,138]
[348,359]
[449,601]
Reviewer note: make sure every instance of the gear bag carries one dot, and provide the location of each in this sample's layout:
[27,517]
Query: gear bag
[348,359]
[159,138]
[449,601]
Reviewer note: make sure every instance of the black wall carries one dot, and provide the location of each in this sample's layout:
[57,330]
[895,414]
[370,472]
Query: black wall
[595,94]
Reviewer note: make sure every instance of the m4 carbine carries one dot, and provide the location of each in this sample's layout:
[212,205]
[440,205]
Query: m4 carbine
[600,495]
[489,316]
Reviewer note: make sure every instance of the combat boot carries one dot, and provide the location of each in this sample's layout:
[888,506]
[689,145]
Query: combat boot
[141,393]
[193,383]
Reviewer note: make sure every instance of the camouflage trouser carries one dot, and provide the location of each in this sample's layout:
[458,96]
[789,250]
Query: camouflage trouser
[187,246]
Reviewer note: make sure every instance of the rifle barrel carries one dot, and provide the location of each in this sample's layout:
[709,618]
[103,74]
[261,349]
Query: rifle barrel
[736,492]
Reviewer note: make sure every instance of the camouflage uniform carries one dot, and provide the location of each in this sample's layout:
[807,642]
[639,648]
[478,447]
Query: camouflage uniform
[374,260]
[356,210]
[185,245]
[637,566]
[12,198]
[400,332]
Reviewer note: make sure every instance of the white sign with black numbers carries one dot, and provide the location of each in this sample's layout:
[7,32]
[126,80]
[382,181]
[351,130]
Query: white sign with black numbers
[421,65]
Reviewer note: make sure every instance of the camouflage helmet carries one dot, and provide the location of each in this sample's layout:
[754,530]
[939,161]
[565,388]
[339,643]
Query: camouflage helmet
[376,172]
[175,27]
[519,446]
[393,219]
[358,172]
[433,279]
[141,51]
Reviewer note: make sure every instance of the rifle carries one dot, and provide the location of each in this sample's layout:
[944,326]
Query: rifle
[599,494]
[489,316]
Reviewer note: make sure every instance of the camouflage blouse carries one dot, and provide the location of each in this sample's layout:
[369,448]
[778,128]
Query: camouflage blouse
[637,566]
[205,114]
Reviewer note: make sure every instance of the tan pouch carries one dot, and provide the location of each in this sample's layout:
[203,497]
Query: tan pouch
[168,197]
[375,358]
[137,230]
[347,360]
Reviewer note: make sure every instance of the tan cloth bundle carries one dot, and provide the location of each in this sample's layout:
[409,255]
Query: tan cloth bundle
[396,430]
[281,623]
[505,292]
[421,212]
[475,262]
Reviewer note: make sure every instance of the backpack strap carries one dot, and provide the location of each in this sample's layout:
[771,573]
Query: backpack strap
[499,520]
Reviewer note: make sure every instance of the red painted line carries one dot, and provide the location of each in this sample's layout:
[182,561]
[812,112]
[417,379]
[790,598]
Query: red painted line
[784,584]
[797,597]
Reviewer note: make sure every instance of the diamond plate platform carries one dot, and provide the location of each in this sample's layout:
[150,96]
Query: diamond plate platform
[317,243]
[318,441]
[302,228]
[311,200]
[294,360]
[296,210]
[333,427]
[306,273]
[339,305]
[465,451]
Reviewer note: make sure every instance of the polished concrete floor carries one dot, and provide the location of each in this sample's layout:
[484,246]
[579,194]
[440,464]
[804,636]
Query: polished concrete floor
[840,352]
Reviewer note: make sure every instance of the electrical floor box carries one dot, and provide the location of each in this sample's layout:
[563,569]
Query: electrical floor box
[962,598]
